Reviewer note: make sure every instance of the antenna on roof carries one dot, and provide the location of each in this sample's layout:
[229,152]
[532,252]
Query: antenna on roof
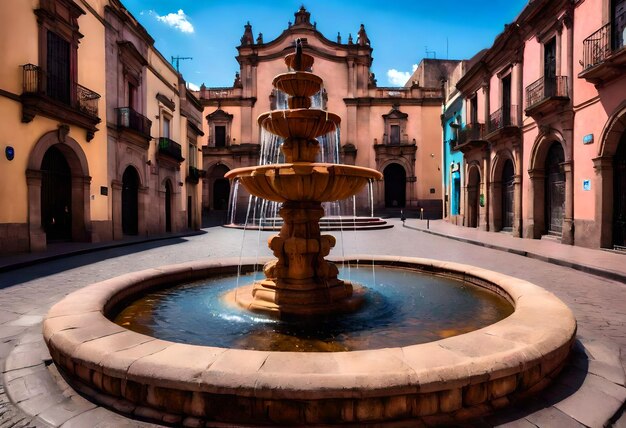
[176,61]
[430,52]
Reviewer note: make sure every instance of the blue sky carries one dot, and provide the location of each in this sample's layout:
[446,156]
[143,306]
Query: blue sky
[401,31]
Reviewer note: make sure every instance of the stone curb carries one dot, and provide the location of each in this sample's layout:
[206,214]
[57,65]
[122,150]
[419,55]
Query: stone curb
[603,273]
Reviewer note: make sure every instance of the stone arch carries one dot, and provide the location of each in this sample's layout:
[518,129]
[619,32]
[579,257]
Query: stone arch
[80,187]
[217,187]
[613,134]
[501,193]
[472,190]
[536,225]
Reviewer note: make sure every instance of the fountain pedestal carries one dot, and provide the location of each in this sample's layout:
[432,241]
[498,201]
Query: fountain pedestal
[301,281]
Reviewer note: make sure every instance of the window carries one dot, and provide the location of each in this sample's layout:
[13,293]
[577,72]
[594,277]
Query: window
[220,136]
[395,134]
[166,127]
[132,96]
[506,100]
[474,109]
[191,155]
[58,68]
[220,128]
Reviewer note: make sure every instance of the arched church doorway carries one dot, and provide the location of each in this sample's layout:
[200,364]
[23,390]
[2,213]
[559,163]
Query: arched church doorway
[555,190]
[168,206]
[56,196]
[619,194]
[130,201]
[507,195]
[395,186]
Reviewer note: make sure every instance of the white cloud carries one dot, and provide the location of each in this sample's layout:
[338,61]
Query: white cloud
[176,20]
[193,86]
[399,78]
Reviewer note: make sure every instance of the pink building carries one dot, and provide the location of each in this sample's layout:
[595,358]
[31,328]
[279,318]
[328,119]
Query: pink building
[545,148]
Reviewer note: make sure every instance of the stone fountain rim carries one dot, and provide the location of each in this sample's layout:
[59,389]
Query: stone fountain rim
[88,346]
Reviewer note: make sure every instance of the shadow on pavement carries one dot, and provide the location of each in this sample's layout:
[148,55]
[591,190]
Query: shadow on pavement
[63,262]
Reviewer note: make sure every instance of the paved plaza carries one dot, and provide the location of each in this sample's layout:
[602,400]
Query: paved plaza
[590,392]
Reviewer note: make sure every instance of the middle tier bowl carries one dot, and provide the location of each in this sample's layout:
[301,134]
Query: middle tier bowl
[299,123]
[305,181]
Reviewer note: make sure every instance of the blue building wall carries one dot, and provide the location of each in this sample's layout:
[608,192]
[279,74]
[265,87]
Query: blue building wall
[453,114]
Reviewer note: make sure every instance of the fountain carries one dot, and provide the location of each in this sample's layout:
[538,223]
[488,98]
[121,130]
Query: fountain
[301,281]
[447,381]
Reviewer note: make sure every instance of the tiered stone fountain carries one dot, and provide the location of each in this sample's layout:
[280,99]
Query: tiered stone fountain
[301,282]
[448,381]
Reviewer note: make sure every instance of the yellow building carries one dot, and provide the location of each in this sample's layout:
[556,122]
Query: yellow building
[61,170]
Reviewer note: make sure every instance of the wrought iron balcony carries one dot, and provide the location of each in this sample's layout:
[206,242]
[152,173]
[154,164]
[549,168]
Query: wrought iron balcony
[545,94]
[504,117]
[470,132]
[604,56]
[130,119]
[195,174]
[170,148]
[58,98]
[469,137]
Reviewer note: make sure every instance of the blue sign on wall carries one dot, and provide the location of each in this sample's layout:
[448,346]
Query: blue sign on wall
[586,185]
[9,152]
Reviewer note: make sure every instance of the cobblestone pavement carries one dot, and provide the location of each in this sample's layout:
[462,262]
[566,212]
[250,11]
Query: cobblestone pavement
[590,393]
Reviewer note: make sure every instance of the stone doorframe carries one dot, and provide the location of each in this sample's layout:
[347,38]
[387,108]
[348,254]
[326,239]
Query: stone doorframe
[497,167]
[142,202]
[81,184]
[613,130]
[535,225]
[403,155]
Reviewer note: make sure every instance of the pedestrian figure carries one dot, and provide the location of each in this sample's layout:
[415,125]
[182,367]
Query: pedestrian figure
[402,217]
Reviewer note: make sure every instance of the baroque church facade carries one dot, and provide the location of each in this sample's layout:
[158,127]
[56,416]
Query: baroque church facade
[392,129]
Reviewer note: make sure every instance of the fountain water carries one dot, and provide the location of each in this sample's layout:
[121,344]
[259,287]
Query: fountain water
[301,282]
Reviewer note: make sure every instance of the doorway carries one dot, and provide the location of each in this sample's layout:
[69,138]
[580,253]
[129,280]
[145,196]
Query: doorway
[619,194]
[395,186]
[168,206]
[473,197]
[130,201]
[56,196]
[507,195]
[555,190]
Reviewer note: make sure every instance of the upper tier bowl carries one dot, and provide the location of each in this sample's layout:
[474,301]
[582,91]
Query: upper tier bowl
[299,123]
[305,181]
[298,83]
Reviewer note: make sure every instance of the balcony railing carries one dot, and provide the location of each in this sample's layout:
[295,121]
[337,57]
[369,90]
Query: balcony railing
[170,148]
[503,117]
[195,174]
[35,81]
[601,44]
[545,88]
[129,118]
[470,132]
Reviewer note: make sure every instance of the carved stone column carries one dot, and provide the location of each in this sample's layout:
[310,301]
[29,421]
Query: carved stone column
[37,236]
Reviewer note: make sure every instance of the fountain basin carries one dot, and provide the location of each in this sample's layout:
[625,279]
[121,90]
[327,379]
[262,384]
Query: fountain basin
[446,381]
[304,181]
[302,123]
